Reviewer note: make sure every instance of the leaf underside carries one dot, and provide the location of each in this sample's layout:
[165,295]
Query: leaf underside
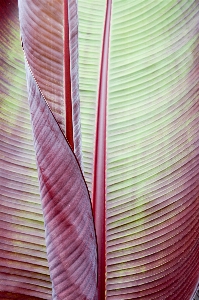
[70,236]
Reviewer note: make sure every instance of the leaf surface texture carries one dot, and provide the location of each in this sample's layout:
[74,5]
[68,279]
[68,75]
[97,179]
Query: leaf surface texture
[70,236]
[152,241]
[24,272]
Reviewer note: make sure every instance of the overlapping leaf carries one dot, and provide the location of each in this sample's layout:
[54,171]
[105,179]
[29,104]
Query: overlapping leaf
[70,236]
[45,29]
[152,241]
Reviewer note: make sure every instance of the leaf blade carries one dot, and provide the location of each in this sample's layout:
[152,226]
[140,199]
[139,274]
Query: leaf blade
[66,206]
[149,177]
[152,144]
[49,35]
[23,265]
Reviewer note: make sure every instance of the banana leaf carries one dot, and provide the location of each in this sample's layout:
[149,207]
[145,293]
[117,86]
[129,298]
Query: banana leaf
[138,86]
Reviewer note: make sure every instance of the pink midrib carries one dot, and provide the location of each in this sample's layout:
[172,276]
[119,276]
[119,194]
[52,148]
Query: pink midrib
[67,80]
[99,178]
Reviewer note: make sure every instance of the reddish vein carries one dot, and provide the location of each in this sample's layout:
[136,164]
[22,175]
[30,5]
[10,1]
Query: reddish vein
[99,178]
[67,79]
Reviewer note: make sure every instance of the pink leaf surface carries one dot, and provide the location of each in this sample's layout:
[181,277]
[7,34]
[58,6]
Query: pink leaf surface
[49,36]
[70,236]
[24,272]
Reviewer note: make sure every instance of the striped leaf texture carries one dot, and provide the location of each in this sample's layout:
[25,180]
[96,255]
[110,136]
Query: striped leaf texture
[46,29]
[70,235]
[91,19]
[196,294]
[24,272]
[150,183]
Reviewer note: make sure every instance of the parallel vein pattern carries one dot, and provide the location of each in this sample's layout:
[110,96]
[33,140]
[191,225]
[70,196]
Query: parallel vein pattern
[152,151]
[41,25]
[50,43]
[24,272]
[91,24]
[70,236]
[74,71]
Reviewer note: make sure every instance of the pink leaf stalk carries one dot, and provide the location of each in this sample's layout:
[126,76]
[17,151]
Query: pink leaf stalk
[99,178]
[67,79]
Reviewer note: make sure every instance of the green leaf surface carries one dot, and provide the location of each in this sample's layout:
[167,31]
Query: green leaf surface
[91,18]
[152,241]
